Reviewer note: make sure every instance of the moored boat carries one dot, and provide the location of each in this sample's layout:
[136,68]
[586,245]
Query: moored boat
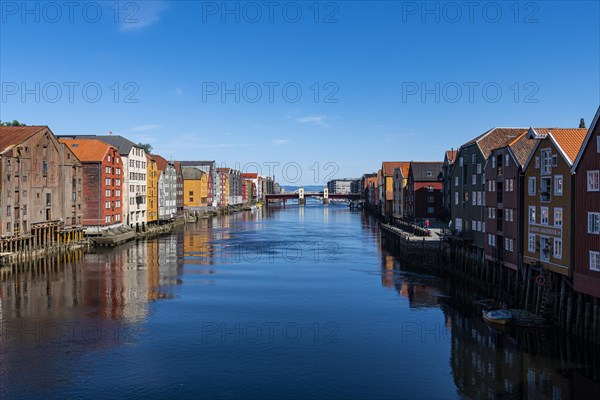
[500,317]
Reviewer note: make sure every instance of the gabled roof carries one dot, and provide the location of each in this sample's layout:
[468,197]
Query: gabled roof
[420,168]
[593,127]
[494,138]
[192,173]
[161,162]
[11,136]
[87,150]
[388,167]
[521,148]
[568,141]
[451,156]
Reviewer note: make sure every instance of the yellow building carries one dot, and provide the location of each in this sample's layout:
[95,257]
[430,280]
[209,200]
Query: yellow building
[151,190]
[195,187]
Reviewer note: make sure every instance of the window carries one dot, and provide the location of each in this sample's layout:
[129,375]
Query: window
[473,225]
[107,205]
[456,181]
[594,260]
[107,181]
[557,248]
[25,210]
[474,198]
[483,227]
[506,245]
[506,160]
[429,174]
[107,193]
[593,181]
[458,224]
[107,170]
[531,186]
[456,198]
[109,158]
[473,158]
[594,222]
[107,219]
[474,179]
[537,162]
[545,188]
[430,189]
[545,248]
[118,217]
[430,210]
[118,203]
[430,199]
[461,161]
[118,193]
[598,144]
[8,208]
[544,215]
[546,161]
[532,214]
[506,215]
[48,199]
[558,217]
[510,185]
[479,168]
[118,171]
[493,162]
[558,185]
[479,226]
[511,244]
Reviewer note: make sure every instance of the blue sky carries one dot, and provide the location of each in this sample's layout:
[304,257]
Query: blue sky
[378,80]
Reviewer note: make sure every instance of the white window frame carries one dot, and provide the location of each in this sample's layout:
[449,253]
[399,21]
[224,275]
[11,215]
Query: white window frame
[474,198]
[531,184]
[558,221]
[456,181]
[473,158]
[543,255]
[557,248]
[593,223]
[474,179]
[479,226]
[531,243]
[557,179]
[596,186]
[595,261]
[529,214]
[456,198]
[547,219]
[474,225]
[493,162]
[537,162]
[479,168]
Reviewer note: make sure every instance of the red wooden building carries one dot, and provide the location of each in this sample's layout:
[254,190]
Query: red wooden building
[586,252]
[424,195]
[102,181]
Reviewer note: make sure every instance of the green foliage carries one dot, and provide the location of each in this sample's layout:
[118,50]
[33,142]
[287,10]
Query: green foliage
[582,123]
[146,146]
[14,123]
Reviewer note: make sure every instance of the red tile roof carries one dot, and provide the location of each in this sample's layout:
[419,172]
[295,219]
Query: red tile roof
[451,156]
[496,137]
[569,140]
[11,136]
[250,175]
[88,150]
[161,163]
[388,167]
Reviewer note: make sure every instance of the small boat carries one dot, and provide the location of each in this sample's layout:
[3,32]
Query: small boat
[500,317]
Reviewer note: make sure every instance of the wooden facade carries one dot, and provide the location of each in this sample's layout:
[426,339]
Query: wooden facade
[548,199]
[424,196]
[40,190]
[586,267]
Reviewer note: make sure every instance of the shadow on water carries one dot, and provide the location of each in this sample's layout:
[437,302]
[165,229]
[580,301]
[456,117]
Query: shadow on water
[495,362]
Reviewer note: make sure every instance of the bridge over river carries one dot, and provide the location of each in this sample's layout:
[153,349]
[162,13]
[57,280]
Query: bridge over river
[301,196]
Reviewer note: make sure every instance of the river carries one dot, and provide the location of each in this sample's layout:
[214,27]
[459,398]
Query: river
[291,303]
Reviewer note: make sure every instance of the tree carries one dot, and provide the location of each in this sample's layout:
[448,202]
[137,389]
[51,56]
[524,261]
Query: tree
[14,123]
[146,146]
[582,123]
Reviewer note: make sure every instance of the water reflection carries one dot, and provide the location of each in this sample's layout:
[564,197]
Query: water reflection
[496,363]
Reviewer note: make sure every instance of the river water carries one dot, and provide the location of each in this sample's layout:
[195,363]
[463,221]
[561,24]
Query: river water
[291,303]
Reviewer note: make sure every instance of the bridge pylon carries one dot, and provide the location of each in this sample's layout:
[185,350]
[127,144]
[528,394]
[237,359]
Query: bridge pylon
[301,199]
[325,196]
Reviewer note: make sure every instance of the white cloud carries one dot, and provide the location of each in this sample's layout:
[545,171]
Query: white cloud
[279,142]
[140,14]
[141,128]
[318,120]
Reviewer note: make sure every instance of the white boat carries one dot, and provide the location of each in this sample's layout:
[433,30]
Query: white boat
[500,317]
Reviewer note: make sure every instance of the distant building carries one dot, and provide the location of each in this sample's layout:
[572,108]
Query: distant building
[344,186]
[167,189]
[399,186]
[449,158]
[210,168]
[151,190]
[195,187]
[386,185]
[424,195]
[102,183]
